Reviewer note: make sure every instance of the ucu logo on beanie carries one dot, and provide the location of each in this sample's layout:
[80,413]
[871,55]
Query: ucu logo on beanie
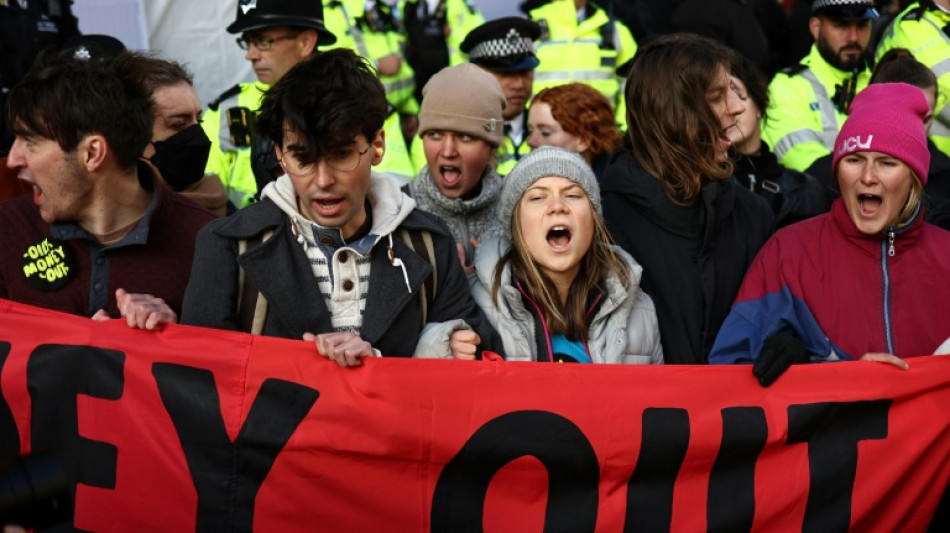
[852,144]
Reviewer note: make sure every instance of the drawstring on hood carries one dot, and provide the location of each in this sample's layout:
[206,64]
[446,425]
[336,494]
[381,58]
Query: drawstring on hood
[396,262]
[389,208]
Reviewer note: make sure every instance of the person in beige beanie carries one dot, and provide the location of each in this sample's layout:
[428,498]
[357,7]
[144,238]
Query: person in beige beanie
[461,125]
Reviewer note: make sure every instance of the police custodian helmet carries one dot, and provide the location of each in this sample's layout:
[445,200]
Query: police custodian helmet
[257,14]
[845,9]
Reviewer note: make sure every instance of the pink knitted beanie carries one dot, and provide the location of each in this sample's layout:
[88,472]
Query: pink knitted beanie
[887,118]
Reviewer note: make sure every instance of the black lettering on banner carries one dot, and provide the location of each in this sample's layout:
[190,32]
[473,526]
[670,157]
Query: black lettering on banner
[832,431]
[664,440]
[731,500]
[9,434]
[459,499]
[55,375]
[228,475]
[941,518]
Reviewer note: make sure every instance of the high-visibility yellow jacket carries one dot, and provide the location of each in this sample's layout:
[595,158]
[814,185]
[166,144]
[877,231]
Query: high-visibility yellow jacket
[589,52]
[803,121]
[373,38]
[510,153]
[230,157]
[920,29]
[348,21]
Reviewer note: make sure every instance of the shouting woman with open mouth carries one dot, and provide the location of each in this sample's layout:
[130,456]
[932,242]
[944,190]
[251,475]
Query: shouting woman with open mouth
[554,287]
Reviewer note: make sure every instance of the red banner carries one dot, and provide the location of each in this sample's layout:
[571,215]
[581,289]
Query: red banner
[190,428]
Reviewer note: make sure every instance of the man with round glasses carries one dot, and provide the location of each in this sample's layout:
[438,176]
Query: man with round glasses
[335,253]
[275,35]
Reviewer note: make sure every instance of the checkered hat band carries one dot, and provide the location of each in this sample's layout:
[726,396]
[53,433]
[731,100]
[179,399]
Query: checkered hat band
[819,4]
[505,47]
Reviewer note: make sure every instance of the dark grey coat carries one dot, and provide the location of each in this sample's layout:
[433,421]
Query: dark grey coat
[280,270]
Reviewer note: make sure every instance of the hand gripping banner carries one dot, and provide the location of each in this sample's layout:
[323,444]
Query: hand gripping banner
[193,429]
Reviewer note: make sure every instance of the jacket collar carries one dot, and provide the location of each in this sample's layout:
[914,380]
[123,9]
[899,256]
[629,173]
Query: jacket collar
[626,177]
[871,244]
[829,75]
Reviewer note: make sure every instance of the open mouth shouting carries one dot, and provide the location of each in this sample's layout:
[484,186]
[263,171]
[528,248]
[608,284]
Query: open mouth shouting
[870,204]
[559,237]
[451,176]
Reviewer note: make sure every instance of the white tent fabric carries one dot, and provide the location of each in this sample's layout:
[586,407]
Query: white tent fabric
[191,32]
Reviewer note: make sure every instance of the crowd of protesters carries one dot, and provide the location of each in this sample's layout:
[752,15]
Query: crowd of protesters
[411,180]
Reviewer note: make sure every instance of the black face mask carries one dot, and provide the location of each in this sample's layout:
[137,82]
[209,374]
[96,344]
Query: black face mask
[182,157]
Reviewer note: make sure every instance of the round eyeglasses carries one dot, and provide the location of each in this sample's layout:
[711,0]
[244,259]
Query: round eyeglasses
[342,159]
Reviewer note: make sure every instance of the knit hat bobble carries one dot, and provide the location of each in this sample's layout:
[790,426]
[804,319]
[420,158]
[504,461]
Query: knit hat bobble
[464,99]
[543,162]
[887,118]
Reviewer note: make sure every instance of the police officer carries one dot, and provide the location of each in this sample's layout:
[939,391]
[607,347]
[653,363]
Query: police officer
[922,29]
[26,28]
[505,48]
[434,31]
[369,28]
[581,42]
[810,101]
[277,34]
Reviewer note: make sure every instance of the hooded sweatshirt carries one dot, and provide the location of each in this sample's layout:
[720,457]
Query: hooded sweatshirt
[329,253]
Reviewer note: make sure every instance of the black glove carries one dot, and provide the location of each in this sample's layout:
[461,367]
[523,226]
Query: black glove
[779,352]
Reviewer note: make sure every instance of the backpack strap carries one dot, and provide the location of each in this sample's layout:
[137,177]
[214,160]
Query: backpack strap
[252,306]
[421,242]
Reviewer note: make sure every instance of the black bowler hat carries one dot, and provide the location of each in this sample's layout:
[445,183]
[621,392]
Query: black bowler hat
[845,9]
[257,14]
[94,46]
[503,44]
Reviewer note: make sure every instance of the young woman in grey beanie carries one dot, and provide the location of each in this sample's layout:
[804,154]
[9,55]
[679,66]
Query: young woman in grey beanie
[461,126]
[554,286]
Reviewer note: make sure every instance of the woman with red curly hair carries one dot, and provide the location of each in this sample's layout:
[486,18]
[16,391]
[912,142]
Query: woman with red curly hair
[577,118]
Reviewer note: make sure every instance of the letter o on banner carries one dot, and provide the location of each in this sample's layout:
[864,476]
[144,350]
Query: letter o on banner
[573,471]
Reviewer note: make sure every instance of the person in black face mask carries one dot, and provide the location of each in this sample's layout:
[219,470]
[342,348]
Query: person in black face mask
[179,147]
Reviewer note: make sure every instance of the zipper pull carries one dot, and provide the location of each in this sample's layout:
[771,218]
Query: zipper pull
[752,182]
[890,242]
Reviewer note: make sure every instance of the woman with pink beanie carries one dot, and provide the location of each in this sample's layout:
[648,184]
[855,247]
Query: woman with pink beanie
[857,283]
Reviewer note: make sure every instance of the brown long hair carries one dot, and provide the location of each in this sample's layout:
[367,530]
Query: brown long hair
[673,132]
[597,265]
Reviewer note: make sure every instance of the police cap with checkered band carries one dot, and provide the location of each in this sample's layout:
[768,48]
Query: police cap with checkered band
[845,9]
[259,14]
[503,44]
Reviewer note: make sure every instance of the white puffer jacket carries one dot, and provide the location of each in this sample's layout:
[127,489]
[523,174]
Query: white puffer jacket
[624,329]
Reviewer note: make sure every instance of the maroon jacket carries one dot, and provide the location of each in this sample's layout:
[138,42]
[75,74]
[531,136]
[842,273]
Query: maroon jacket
[62,267]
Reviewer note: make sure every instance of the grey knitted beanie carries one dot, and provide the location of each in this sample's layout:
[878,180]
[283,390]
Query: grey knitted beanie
[544,162]
[465,99]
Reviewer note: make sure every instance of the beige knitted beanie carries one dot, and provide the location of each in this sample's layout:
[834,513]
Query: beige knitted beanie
[464,99]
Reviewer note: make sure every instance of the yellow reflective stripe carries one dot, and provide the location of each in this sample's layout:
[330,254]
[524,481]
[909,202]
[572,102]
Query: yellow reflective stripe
[576,75]
[829,119]
[398,85]
[939,128]
[239,198]
[942,67]
[562,42]
[789,141]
